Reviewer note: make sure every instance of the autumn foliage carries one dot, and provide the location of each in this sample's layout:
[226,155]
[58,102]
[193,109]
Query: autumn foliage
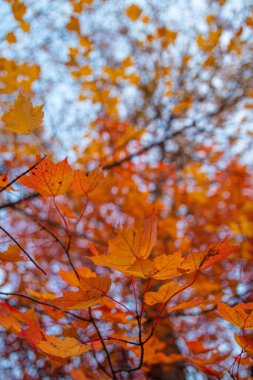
[126,191]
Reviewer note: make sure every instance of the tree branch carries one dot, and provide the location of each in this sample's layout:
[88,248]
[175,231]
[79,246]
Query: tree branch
[22,174]
[22,249]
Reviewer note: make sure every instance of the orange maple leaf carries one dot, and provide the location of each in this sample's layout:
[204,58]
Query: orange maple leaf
[237,314]
[63,348]
[202,260]
[11,255]
[129,245]
[164,293]
[49,179]
[91,291]
[84,184]
[246,342]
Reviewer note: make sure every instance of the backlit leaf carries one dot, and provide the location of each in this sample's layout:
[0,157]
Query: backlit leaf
[237,314]
[129,245]
[11,255]
[164,293]
[49,179]
[63,348]
[23,118]
[91,292]
[246,342]
[84,184]
[202,260]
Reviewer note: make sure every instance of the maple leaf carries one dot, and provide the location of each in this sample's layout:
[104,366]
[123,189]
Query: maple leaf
[84,184]
[8,319]
[186,305]
[246,342]
[197,347]
[62,348]
[70,277]
[153,160]
[129,245]
[167,266]
[49,179]
[24,324]
[11,255]
[23,118]
[164,293]
[162,267]
[91,291]
[202,260]
[237,314]
[41,296]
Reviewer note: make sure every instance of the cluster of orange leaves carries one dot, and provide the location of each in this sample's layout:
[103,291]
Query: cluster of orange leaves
[129,253]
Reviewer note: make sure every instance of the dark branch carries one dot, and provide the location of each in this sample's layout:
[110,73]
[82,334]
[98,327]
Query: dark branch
[22,249]
[22,174]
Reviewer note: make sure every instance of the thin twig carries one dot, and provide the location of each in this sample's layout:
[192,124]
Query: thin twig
[15,203]
[22,249]
[22,174]
[114,377]
[66,249]
[45,303]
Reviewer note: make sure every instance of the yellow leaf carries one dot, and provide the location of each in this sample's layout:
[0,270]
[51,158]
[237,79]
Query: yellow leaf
[164,293]
[73,25]
[41,296]
[63,348]
[91,291]
[128,245]
[11,38]
[162,267]
[133,12]
[237,314]
[145,19]
[85,70]
[23,118]
[85,42]
[202,260]
[210,19]
[70,277]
